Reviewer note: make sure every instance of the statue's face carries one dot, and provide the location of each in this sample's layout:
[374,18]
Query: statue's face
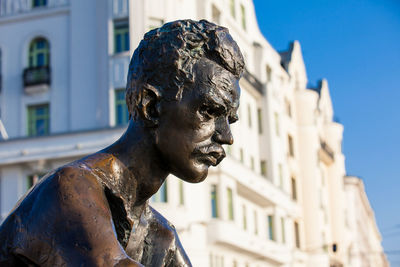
[192,131]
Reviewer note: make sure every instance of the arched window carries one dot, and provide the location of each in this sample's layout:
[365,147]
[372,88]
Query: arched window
[39,53]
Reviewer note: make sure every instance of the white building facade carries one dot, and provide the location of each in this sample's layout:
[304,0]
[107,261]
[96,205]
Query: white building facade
[278,197]
[360,222]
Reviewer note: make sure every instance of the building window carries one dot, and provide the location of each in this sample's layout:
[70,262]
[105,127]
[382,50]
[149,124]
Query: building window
[294,189]
[232,8]
[297,234]
[271,228]
[252,163]
[241,155]
[259,117]
[38,70]
[244,213]
[230,203]
[288,108]
[243,13]
[39,3]
[162,194]
[214,201]
[280,169]
[249,115]
[121,35]
[121,109]
[263,167]
[38,120]
[283,230]
[181,193]
[290,146]
[216,14]
[255,223]
[269,73]
[276,115]
[39,53]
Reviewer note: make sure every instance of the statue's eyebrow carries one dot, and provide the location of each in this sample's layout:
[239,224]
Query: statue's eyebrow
[215,100]
[224,89]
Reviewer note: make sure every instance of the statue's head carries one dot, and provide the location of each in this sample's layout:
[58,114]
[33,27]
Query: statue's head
[183,86]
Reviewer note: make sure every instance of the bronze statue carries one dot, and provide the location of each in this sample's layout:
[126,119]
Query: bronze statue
[182,94]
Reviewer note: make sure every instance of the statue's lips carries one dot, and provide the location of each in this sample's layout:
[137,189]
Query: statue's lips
[211,155]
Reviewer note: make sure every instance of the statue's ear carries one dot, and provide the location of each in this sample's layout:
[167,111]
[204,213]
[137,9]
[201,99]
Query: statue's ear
[149,105]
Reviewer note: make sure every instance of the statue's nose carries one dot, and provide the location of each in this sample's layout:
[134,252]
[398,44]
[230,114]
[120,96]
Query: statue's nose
[223,134]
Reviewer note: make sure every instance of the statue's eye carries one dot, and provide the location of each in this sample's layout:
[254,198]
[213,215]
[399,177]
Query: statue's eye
[212,111]
[233,119]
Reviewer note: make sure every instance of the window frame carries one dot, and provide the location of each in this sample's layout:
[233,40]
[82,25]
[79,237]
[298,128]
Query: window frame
[297,235]
[290,146]
[120,119]
[259,118]
[294,188]
[35,52]
[243,16]
[214,201]
[231,213]
[121,29]
[271,227]
[232,7]
[283,232]
[244,217]
[32,118]
[181,193]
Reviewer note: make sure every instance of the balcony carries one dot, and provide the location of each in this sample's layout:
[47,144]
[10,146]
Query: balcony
[253,81]
[36,79]
[16,7]
[255,187]
[228,234]
[326,153]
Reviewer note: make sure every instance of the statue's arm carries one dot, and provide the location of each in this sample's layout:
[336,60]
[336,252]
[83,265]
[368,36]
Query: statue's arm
[165,239]
[83,228]
[180,258]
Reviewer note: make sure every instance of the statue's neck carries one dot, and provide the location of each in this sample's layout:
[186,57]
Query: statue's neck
[131,167]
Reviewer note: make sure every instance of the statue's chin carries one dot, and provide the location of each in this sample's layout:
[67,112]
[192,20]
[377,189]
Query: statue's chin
[193,176]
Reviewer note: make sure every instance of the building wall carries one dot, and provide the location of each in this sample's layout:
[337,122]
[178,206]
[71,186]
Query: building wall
[364,242]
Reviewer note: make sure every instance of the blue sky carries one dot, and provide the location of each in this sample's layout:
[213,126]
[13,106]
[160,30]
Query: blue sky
[355,45]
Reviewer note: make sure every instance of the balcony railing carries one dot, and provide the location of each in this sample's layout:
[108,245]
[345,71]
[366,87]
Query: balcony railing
[260,247]
[253,81]
[37,76]
[14,7]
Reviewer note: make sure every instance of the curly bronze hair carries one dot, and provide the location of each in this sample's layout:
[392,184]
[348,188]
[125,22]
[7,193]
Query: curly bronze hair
[165,58]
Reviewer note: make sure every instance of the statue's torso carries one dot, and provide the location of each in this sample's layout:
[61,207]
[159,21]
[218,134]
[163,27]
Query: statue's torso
[45,229]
